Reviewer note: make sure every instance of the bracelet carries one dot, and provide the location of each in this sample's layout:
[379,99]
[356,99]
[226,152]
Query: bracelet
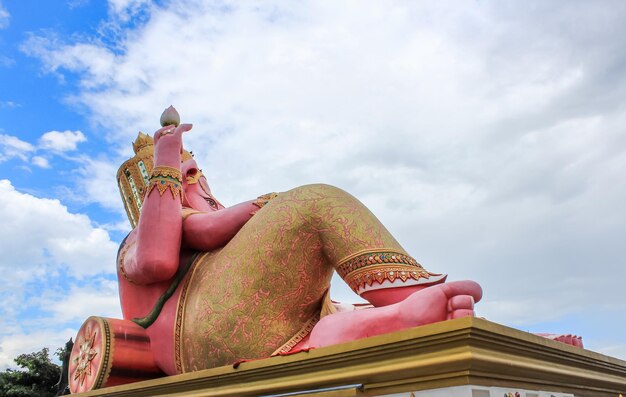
[163,170]
[164,178]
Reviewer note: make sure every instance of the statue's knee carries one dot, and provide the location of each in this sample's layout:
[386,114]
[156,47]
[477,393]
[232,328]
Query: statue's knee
[321,190]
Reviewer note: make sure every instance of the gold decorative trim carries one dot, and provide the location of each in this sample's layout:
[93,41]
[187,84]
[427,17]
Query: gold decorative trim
[367,266]
[326,309]
[163,170]
[120,261]
[379,273]
[108,344]
[133,176]
[368,257]
[180,315]
[193,179]
[163,178]
[187,212]
[127,200]
[298,337]
[261,201]
[327,305]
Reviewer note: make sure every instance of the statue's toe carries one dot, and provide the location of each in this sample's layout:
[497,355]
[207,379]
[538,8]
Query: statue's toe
[466,287]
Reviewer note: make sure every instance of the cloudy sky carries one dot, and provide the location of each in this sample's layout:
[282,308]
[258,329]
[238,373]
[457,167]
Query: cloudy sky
[489,137]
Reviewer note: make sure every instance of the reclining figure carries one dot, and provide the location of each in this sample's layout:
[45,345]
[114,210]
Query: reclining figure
[208,285]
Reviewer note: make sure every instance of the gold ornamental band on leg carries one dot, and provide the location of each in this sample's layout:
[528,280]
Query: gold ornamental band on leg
[367,266]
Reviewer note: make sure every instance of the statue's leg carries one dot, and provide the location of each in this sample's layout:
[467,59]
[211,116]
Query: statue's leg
[364,253]
[267,284]
[374,264]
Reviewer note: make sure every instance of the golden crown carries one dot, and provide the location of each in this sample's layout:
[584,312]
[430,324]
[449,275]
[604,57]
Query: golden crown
[133,176]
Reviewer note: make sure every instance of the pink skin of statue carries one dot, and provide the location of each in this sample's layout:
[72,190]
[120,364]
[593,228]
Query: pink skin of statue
[163,241]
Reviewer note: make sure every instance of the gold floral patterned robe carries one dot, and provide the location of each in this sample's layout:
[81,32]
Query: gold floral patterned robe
[263,291]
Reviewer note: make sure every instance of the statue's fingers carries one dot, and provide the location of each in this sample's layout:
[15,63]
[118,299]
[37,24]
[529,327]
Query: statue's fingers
[461,302]
[461,313]
[185,127]
[182,129]
[168,129]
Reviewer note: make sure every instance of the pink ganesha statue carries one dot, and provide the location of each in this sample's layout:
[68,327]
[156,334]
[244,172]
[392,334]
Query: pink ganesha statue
[203,286]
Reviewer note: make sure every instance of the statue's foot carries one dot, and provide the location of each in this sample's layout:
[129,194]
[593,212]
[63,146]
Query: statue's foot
[433,304]
[568,339]
[439,302]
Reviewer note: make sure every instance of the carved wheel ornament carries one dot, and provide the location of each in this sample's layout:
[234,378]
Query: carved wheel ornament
[90,358]
[85,357]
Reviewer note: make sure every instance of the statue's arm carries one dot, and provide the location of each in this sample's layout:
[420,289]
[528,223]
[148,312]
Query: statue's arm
[159,231]
[209,230]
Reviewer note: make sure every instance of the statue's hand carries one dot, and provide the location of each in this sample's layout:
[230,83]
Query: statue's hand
[171,133]
[168,144]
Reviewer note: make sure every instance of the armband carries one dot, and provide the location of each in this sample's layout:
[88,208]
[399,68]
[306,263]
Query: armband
[164,178]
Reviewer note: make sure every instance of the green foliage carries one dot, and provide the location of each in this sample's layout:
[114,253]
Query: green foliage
[38,376]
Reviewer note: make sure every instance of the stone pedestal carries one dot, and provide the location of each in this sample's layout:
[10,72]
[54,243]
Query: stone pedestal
[467,357]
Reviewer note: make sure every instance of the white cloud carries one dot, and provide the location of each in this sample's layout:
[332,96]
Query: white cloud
[77,3]
[84,58]
[98,297]
[4,17]
[13,345]
[8,104]
[119,7]
[61,141]
[11,146]
[44,247]
[39,235]
[41,162]
[54,141]
[6,61]
[99,184]
[488,137]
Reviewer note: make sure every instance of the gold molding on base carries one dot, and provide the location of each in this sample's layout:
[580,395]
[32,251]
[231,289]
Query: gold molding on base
[465,351]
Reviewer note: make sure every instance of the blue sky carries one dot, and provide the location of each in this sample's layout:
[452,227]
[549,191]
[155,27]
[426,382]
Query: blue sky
[489,137]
